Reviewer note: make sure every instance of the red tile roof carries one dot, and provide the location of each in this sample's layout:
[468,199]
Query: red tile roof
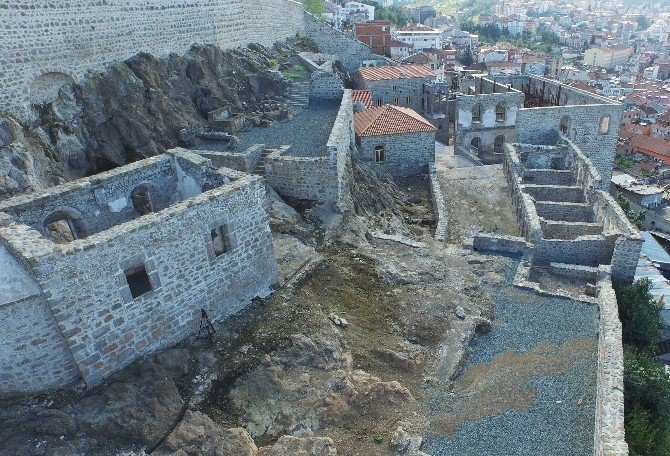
[383,73]
[651,144]
[390,120]
[364,96]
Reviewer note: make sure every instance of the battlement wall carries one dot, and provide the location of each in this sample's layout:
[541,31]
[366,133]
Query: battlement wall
[45,44]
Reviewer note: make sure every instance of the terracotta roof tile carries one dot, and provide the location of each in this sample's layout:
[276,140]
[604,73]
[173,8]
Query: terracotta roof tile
[390,120]
[382,73]
[649,143]
[364,96]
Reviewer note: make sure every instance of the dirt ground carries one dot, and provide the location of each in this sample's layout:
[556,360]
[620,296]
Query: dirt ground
[477,201]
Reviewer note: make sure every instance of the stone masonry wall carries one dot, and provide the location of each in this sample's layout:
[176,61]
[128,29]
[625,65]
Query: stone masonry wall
[34,355]
[325,85]
[351,52]
[405,155]
[322,178]
[540,125]
[87,291]
[488,128]
[609,437]
[64,39]
[399,92]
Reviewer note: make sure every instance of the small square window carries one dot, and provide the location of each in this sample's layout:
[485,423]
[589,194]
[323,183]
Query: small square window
[138,281]
[220,240]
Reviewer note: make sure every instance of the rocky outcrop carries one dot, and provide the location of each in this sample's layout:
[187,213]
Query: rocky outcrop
[136,109]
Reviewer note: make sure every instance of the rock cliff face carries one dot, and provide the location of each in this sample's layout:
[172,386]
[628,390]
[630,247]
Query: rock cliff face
[134,110]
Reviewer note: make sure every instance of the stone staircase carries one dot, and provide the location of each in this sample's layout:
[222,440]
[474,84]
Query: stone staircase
[260,166]
[298,95]
[568,222]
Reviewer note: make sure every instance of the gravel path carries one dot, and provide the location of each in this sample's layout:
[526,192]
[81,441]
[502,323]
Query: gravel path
[307,132]
[529,387]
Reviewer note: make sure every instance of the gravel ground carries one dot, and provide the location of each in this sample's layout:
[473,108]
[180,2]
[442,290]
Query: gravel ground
[307,131]
[529,387]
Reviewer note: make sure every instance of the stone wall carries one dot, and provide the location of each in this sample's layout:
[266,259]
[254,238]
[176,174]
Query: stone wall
[322,178]
[245,161]
[628,245]
[87,291]
[33,354]
[405,154]
[501,243]
[45,44]
[325,85]
[351,52]
[488,128]
[609,438]
[439,205]
[399,92]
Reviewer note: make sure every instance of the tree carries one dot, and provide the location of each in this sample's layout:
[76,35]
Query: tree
[468,58]
[314,6]
[640,315]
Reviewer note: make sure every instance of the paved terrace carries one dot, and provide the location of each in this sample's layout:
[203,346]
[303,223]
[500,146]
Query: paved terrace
[529,388]
[307,132]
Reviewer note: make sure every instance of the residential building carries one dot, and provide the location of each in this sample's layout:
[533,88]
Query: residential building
[646,196]
[608,56]
[377,35]
[421,36]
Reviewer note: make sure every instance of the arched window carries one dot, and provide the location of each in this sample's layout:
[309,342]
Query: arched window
[565,125]
[477,113]
[605,125]
[501,113]
[379,154]
[142,198]
[475,145]
[498,144]
[63,227]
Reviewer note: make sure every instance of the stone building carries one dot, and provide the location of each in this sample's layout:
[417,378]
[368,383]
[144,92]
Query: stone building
[548,108]
[485,119]
[101,271]
[394,140]
[396,85]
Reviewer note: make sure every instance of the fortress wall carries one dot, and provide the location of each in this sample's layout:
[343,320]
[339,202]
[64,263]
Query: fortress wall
[609,436]
[63,39]
[351,52]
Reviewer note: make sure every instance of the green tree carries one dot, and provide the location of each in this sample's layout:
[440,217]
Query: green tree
[646,404]
[468,59]
[640,315]
[314,6]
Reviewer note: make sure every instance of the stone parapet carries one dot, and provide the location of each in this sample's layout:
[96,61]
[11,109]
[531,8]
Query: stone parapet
[609,438]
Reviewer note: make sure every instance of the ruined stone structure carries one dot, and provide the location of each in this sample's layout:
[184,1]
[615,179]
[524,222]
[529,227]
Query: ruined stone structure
[396,85]
[549,107]
[109,268]
[564,210]
[485,120]
[322,177]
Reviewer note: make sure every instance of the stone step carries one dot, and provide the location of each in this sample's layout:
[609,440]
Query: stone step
[584,251]
[552,229]
[574,271]
[548,177]
[565,212]
[555,193]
